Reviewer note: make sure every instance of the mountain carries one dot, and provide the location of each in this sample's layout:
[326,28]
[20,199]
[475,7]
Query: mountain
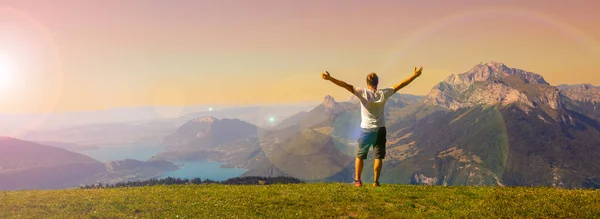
[208,132]
[581,92]
[28,165]
[495,125]
[583,98]
[491,125]
[492,84]
[204,136]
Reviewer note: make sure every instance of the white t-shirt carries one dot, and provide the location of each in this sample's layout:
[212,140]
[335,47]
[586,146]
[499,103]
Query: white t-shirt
[372,106]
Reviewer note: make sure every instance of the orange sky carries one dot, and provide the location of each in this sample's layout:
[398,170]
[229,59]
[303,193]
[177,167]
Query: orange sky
[66,55]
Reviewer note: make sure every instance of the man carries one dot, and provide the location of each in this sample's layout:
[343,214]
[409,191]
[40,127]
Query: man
[372,119]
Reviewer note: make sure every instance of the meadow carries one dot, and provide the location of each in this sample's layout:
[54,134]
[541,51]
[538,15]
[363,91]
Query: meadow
[304,200]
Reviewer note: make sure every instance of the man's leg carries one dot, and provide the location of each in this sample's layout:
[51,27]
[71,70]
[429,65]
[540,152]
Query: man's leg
[377,169]
[364,142]
[379,151]
[359,168]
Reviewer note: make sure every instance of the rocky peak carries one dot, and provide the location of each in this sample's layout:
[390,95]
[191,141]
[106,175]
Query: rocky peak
[329,102]
[484,71]
[493,69]
[489,83]
[496,65]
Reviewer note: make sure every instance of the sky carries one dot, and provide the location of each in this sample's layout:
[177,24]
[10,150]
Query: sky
[74,55]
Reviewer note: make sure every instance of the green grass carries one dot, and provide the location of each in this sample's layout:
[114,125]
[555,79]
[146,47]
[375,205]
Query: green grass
[311,200]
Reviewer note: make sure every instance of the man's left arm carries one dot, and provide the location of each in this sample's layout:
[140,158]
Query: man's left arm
[407,81]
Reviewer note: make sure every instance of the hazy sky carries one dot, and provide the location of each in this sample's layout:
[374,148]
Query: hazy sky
[58,55]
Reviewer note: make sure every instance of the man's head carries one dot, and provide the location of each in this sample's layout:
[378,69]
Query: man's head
[372,80]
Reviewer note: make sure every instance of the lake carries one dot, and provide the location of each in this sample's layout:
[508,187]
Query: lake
[204,170]
[187,169]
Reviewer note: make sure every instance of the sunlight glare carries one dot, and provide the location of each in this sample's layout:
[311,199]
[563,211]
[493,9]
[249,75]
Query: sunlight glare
[6,72]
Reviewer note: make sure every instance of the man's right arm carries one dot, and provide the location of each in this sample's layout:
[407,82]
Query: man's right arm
[340,83]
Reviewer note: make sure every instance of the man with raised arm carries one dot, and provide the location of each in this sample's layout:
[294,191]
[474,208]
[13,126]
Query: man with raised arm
[372,119]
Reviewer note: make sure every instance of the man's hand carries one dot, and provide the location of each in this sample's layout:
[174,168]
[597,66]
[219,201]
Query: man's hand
[418,71]
[326,75]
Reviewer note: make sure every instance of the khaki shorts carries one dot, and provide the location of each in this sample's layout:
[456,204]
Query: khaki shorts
[375,138]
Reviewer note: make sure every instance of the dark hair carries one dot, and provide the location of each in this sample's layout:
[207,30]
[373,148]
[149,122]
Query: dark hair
[372,79]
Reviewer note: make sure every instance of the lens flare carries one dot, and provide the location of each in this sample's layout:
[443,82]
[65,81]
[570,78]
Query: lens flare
[29,59]
[346,131]
[6,72]
[316,153]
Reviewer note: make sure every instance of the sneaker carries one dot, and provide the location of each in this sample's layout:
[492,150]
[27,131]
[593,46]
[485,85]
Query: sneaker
[357,183]
[376,184]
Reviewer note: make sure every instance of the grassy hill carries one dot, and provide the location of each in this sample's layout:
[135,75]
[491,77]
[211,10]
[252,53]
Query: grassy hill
[310,200]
